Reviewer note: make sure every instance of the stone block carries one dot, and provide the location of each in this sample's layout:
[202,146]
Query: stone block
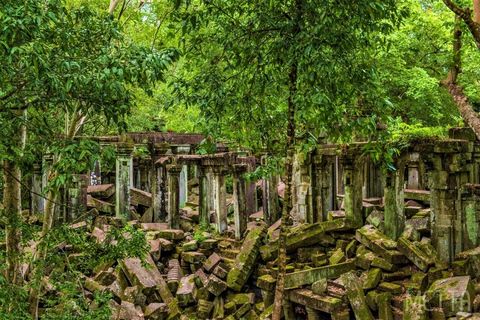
[393,288]
[414,308]
[138,196]
[337,257]
[156,311]
[193,257]
[221,271]
[308,298]
[155,249]
[310,276]
[320,286]
[356,296]
[373,278]
[305,254]
[304,236]
[452,294]
[384,306]
[242,310]
[246,258]
[380,244]
[148,280]
[167,245]
[171,234]
[190,246]
[413,252]
[418,282]
[266,282]
[128,312]
[212,262]
[187,291]
[215,285]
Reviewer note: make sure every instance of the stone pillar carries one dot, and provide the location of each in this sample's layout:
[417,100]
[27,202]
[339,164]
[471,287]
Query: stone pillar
[183,186]
[220,198]
[96,174]
[251,188]
[204,192]
[323,189]
[77,197]
[174,195]
[38,202]
[449,166]
[144,174]
[353,181]
[471,216]
[395,200]
[158,182]
[123,179]
[313,314]
[413,174]
[302,188]
[239,200]
[288,310]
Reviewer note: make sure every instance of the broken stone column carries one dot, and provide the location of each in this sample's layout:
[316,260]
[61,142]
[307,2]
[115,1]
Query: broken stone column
[37,204]
[413,173]
[353,180]
[144,175]
[251,193]
[158,182]
[323,191]
[203,210]
[220,198]
[471,216]
[183,186]
[373,179]
[449,166]
[271,210]
[123,180]
[174,195]
[96,174]
[356,296]
[302,188]
[239,200]
[77,197]
[395,200]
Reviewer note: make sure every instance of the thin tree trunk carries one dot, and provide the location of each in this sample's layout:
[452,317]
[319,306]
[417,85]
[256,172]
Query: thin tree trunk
[469,115]
[282,243]
[476,11]
[466,15]
[12,207]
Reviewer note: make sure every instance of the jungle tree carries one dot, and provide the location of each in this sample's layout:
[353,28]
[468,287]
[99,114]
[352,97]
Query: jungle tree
[267,70]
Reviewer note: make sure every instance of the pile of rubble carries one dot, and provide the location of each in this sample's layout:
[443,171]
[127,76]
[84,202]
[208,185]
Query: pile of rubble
[334,271]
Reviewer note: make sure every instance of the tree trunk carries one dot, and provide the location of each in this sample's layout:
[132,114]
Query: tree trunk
[13,214]
[469,115]
[476,11]
[282,240]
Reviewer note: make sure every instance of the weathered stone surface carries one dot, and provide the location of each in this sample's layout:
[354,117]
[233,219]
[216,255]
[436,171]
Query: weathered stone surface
[155,249]
[453,295]
[190,246]
[156,311]
[308,298]
[128,312]
[418,282]
[304,236]
[187,291]
[246,258]
[171,234]
[193,257]
[380,244]
[101,191]
[148,280]
[215,285]
[100,206]
[212,262]
[373,278]
[310,276]
[204,309]
[393,288]
[134,295]
[266,282]
[414,254]
[414,308]
[320,286]
[384,306]
[174,275]
[337,257]
[167,245]
[356,296]
[140,197]
[221,271]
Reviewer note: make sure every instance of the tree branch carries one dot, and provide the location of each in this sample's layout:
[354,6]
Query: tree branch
[466,15]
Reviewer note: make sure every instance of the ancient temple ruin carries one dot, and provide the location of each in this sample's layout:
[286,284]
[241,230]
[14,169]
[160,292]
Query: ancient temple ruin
[362,243]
